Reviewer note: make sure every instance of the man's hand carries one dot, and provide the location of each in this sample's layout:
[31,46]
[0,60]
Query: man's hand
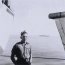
[15,58]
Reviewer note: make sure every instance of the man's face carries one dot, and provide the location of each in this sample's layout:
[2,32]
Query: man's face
[24,37]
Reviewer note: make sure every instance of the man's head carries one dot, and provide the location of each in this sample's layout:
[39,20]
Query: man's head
[23,36]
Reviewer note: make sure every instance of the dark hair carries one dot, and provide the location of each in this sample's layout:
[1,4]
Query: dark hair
[24,32]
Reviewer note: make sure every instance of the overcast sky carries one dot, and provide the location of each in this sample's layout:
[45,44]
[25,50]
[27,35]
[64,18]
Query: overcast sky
[30,15]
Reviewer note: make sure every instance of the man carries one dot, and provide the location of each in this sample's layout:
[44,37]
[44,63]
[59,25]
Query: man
[21,52]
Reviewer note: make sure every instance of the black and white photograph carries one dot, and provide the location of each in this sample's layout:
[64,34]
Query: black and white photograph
[32,32]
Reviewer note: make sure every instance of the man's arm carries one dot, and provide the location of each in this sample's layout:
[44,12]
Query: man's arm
[13,55]
[30,55]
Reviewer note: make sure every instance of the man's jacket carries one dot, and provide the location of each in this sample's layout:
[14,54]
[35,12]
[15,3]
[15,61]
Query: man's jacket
[21,52]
